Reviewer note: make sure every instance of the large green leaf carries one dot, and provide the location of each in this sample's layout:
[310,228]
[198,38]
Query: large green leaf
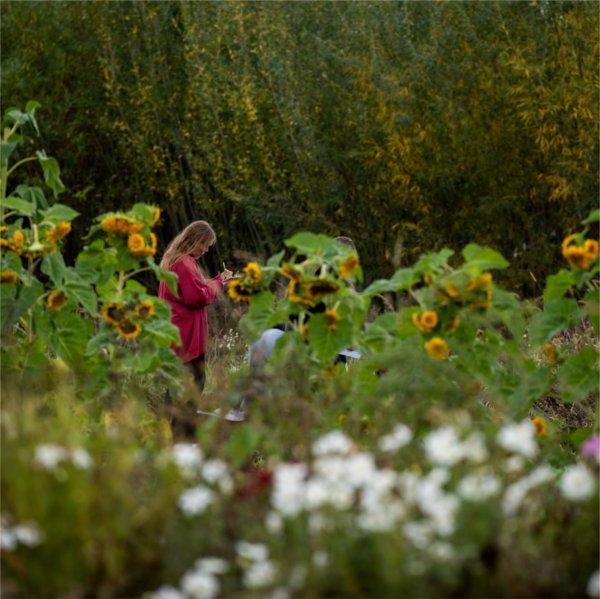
[33,194]
[70,336]
[53,265]
[261,315]
[403,278]
[578,376]
[59,213]
[170,278]
[480,258]
[163,332]
[51,172]
[6,149]
[433,262]
[21,206]
[558,284]
[81,291]
[313,243]
[328,343]
[15,304]
[594,217]
[532,383]
[592,307]
[556,316]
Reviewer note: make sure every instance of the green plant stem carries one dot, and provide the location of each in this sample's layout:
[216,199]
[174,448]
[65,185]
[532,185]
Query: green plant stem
[17,164]
[136,272]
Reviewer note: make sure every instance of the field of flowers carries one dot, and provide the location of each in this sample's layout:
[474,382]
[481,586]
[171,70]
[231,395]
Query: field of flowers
[458,456]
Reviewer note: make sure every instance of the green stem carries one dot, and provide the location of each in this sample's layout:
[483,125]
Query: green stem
[135,272]
[17,164]
[121,282]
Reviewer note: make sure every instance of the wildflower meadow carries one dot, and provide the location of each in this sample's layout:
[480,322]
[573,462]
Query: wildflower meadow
[424,424]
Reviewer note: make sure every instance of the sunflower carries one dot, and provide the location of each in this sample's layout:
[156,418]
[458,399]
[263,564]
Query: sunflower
[567,242]
[4,243]
[56,300]
[294,295]
[319,287]
[332,318]
[114,313]
[145,310]
[120,225]
[290,271]
[58,231]
[18,238]
[550,353]
[348,266]
[135,243]
[591,248]
[128,329]
[452,290]
[541,426]
[155,215]
[426,321]
[484,280]
[437,348]
[237,292]
[253,273]
[8,276]
[577,257]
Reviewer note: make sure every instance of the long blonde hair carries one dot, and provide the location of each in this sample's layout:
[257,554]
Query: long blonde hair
[196,234]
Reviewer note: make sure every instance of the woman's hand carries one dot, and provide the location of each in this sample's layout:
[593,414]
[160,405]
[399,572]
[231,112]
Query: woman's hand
[225,275]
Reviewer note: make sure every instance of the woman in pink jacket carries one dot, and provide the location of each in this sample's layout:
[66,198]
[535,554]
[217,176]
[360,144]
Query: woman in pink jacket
[194,293]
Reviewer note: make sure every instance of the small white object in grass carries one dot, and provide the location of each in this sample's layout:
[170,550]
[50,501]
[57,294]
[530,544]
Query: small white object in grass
[400,436]
[320,559]
[516,493]
[260,574]
[49,455]
[195,501]
[442,446]
[593,585]
[199,585]
[167,592]
[333,442]
[28,534]
[252,551]
[212,565]
[188,458]
[478,487]
[274,523]
[213,470]
[576,483]
[519,438]
[81,458]
[8,539]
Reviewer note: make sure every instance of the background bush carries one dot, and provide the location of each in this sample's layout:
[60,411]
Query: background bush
[408,126]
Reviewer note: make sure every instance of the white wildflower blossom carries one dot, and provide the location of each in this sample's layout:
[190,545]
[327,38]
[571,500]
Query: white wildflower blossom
[478,487]
[49,455]
[333,442]
[252,551]
[400,436]
[383,518]
[8,539]
[360,469]
[519,438]
[199,585]
[213,470]
[474,449]
[167,592]
[195,500]
[274,522]
[28,534]
[419,533]
[289,488]
[516,493]
[188,457]
[593,585]
[515,463]
[320,559]
[211,565]
[317,523]
[577,483]
[442,551]
[408,483]
[260,574]
[81,458]
[440,506]
[442,446]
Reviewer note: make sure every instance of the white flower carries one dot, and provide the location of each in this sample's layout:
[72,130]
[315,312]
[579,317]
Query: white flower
[196,500]
[519,438]
[515,463]
[382,519]
[211,565]
[442,551]
[419,533]
[478,487]
[440,506]
[474,449]
[400,436]
[167,592]
[188,458]
[213,470]
[252,551]
[281,593]
[360,469]
[333,442]
[260,574]
[577,483]
[81,458]
[317,523]
[48,456]
[515,493]
[320,559]
[8,539]
[289,488]
[200,585]
[274,523]
[443,446]
[593,585]
[28,534]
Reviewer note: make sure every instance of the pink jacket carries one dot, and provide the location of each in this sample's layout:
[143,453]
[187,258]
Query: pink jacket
[188,307]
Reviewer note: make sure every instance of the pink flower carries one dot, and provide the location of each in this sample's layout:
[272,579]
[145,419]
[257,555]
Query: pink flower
[591,448]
